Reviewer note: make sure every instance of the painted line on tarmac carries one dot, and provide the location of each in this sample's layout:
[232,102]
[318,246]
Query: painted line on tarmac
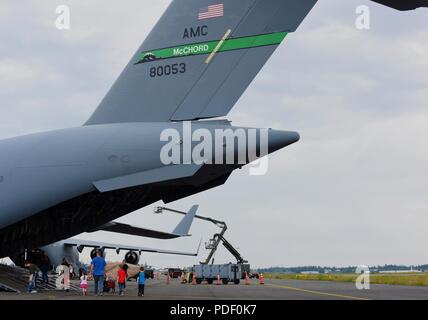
[317,292]
[174,297]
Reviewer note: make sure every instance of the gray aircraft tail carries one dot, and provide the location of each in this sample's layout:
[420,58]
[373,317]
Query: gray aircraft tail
[199,59]
[183,227]
[181,230]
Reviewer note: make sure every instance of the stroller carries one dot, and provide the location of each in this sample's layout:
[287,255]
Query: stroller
[109,285]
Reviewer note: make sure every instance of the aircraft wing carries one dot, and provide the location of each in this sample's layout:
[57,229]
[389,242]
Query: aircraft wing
[403,4]
[81,244]
[136,231]
[182,229]
[199,59]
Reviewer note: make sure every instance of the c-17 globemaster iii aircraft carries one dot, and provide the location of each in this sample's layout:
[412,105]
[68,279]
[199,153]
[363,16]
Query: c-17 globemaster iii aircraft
[194,66]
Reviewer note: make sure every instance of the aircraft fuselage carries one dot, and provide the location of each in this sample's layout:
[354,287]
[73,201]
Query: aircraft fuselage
[47,190]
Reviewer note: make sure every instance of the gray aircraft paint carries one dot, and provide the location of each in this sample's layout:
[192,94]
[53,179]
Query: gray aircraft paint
[49,168]
[58,251]
[183,227]
[181,230]
[70,249]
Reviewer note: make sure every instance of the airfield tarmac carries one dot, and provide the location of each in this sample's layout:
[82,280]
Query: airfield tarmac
[272,290]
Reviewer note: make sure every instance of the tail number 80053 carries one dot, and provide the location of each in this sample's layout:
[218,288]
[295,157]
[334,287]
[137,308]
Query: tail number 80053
[167,70]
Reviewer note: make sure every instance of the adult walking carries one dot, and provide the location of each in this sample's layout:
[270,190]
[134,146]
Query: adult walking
[65,271]
[45,266]
[98,266]
[32,279]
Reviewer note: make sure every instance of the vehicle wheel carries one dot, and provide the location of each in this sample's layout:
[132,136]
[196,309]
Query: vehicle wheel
[210,281]
[198,281]
[225,281]
[237,281]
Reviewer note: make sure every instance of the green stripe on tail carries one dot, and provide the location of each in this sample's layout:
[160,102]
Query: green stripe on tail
[208,47]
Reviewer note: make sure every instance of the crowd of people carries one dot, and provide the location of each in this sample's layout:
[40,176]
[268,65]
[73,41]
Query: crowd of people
[102,283]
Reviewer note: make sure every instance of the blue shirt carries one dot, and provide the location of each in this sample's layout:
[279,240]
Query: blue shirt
[99,265]
[142,278]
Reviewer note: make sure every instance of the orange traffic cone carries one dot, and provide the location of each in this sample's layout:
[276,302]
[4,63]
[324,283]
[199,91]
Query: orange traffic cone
[247,279]
[262,279]
[218,279]
[193,279]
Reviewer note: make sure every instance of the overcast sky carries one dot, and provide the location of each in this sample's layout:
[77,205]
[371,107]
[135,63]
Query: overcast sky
[352,191]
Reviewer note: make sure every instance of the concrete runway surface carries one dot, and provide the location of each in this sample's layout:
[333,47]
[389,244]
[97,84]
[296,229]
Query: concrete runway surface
[272,290]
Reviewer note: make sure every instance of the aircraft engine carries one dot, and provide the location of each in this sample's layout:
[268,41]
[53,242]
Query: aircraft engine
[132,257]
[94,253]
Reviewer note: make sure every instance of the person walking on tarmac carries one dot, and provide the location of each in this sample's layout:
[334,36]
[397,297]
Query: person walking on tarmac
[34,270]
[66,274]
[125,268]
[98,265]
[141,282]
[45,266]
[121,280]
[84,283]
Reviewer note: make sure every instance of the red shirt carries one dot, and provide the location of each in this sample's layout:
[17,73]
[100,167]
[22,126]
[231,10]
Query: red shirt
[121,276]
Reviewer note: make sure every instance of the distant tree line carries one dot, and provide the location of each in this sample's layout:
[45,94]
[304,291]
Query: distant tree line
[349,269]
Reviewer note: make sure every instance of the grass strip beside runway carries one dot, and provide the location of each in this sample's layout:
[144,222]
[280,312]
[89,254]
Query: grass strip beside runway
[405,279]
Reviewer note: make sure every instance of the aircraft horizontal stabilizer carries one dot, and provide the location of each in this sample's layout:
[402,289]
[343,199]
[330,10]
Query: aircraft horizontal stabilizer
[166,173]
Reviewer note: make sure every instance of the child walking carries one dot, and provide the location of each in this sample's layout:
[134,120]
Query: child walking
[121,279]
[84,283]
[141,281]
